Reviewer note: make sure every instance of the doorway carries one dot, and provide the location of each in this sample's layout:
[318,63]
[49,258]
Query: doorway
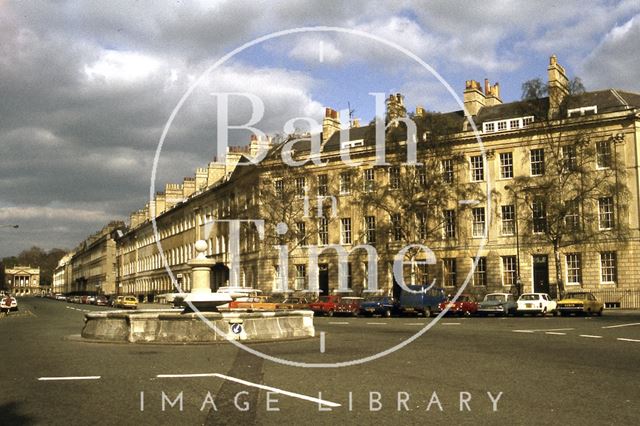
[541,274]
[323,279]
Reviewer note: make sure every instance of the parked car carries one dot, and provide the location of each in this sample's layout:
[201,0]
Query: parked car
[497,304]
[13,306]
[421,300]
[536,303]
[379,305]
[129,302]
[580,302]
[335,304]
[253,303]
[101,301]
[117,302]
[60,296]
[293,303]
[465,304]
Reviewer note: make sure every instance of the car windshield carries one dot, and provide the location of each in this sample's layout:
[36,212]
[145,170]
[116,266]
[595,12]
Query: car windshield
[494,298]
[581,296]
[529,297]
[375,299]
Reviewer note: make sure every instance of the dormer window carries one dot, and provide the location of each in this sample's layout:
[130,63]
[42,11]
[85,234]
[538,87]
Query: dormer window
[588,110]
[505,125]
[353,143]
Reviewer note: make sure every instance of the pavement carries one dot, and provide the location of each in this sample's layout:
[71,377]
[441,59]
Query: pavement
[574,370]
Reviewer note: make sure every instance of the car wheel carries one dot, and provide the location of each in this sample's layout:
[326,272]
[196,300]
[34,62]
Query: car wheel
[600,312]
[427,312]
[386,313]
[556,313]
[544,312]
[330,313]
[354,313]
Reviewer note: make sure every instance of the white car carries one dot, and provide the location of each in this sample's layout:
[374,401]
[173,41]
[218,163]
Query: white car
[536,303]
[13,306]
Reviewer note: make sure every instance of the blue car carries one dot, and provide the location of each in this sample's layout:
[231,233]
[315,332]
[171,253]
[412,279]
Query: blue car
[421,300]
[379,305]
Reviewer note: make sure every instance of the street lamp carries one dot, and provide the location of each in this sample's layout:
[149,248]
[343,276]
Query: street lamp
[515,214]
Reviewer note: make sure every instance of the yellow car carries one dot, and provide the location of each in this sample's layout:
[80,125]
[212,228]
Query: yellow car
[129,302]
[580,302]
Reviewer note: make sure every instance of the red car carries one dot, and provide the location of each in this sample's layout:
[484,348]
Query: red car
[329,305]
[465,304]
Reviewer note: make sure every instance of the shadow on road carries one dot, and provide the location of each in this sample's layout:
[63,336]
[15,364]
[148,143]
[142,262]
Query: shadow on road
[9,413]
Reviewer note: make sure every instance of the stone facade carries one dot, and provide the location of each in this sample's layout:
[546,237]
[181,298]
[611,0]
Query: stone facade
[24,281]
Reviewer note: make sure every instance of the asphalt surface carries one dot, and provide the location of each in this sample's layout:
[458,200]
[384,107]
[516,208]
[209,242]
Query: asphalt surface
[575,370]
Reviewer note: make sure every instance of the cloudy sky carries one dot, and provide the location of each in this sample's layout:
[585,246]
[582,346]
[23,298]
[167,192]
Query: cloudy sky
[86,87]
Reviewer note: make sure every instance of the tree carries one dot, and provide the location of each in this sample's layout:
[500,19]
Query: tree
[37,258]
[576,182]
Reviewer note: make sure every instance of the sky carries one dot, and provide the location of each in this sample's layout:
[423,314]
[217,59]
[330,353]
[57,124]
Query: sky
[87,87]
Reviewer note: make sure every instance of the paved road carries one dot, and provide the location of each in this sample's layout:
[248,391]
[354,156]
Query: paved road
[577,370]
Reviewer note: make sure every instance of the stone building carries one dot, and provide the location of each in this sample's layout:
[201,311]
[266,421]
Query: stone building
[24,281]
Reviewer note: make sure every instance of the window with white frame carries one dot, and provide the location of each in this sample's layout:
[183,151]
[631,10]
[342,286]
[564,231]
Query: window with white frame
[569,158]
[369,180]
[323,231]
[477,168]
[345,183]
[323,185]
[572,216]
[301,184]
[539,216]
[370,224]
[574,268]
[345,234]
[396,228]
[422,225]
[394,177]
[449,272]
[605,212]
[603,154]
[301,277]
[279,187]
[449,223]
[301,230]
[447,170]
[608,267]
[537,162]
[478,227]
[509,270]
[480,272]
[422,176]
[506,165]
[508,219]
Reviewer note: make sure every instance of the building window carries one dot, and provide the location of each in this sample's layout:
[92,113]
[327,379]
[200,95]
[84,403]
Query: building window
[527,121]
[301,230]
[345,234]
[301,277]
[506,165]
[396,229]
[477,168]
[539,217]
[394,177]
[422,176]
[569,158]
[422,226]
[370,223]
[447,170]
[574,268]
[508,220]
[509,270]
[572,216]
[323,185]
[537,162]
[603,154]
[279,187]
[480,272]
[345,183]
[449,223]
[301,183]
[369,179]
[489,127]
[608,267]
[449,272]
[502,125]
[478,222]
[605,212]
[323,231]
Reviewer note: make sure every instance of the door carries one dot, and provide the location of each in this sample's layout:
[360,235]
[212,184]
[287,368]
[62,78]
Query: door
[323,278]
[541,274]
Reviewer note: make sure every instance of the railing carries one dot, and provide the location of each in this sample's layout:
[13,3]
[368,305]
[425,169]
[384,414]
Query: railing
[619,298]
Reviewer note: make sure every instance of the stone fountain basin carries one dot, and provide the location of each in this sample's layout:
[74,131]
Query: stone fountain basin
[171,326]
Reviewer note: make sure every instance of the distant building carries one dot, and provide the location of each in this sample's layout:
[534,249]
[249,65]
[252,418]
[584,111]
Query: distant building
[24,281]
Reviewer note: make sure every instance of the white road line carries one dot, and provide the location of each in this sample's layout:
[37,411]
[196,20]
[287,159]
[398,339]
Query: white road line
[523,331]
[450,323]
[622,325]
[45,379]
[173,376]
[376,323]
[280,391]
[557,329]
[415,323]
[628,340]
[322,342]
[555,333]
[591,336]
[338,322]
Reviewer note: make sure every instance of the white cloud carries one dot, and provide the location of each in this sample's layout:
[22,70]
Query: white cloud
[117,66]
[314,49]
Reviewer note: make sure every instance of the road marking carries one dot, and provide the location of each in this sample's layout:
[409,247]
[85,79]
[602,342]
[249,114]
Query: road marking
[338,322]
[555,333]
[450,323]
[173,376]
[557,329]
[44,379]
[523,331]
[376,323]
[415,323]
[280,391]
[622,325]
[628,340]
[322,342]
[591,336]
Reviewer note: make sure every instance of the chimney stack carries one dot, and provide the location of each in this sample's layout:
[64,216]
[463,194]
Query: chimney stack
[330,123]
[491,93]
[474,99]
[395,107]
[558,86]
